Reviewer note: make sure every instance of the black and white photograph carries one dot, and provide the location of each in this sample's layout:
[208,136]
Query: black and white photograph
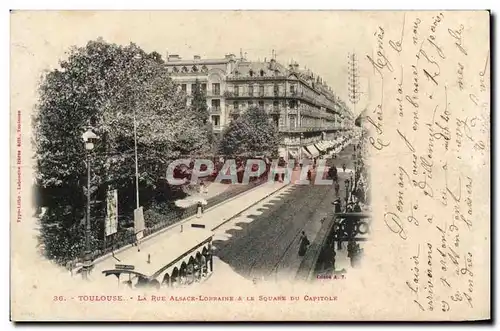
[213,160]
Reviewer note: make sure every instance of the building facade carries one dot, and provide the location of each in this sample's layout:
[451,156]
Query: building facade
[309,115]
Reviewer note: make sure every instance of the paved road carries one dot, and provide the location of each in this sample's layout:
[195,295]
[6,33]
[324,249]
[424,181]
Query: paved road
[263,242]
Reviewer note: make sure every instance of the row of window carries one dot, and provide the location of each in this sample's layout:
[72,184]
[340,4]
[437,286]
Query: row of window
[194,68]
[203,87]
[292,104]
[280,121]
[251,89]
[216,89]
[293,122]
[262,73]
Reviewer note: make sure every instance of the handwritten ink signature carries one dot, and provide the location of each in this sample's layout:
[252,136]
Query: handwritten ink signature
[457,35]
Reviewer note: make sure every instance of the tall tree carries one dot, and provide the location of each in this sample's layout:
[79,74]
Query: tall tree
[106,86]
[200,109]
[251,134]
[199,103]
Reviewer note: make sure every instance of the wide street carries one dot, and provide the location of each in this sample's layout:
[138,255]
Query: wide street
[262,243]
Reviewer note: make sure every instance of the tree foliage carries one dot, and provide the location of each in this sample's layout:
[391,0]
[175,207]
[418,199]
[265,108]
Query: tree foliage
[200,109]
[107,86]
[199,103]
[251,134]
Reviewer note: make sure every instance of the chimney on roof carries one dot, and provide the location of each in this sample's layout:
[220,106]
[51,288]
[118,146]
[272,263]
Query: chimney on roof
[272,64]
[197,57]
[174,57]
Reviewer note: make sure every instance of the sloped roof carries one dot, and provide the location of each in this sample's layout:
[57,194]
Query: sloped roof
[244,67]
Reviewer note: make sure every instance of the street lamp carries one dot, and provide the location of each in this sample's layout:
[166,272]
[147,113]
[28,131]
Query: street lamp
[89,138]
[138,216]
[136,57]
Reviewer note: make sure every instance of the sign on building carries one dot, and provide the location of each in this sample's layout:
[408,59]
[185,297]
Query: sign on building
[124,266]
[112,212]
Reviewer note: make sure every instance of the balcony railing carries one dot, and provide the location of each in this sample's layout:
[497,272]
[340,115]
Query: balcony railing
[307,129]
[215,110]
[214,94]
[321,100]
[255,94]
[275,110]
[255,77]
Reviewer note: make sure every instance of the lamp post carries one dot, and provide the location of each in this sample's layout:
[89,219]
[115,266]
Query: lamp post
[89,138]
[136,163]
[138,216]
[136,57]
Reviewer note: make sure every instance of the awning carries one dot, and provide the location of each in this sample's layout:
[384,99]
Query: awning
[313,150]
[282,152]
[305,153]
[320,146]
[329,144]
[293,154]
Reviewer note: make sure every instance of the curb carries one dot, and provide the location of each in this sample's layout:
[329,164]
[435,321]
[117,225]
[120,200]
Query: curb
[253,204]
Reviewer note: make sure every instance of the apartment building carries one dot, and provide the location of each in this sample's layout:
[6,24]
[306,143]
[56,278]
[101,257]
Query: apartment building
[309,115]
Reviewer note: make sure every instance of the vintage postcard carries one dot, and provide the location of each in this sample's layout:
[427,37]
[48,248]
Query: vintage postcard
[250,165]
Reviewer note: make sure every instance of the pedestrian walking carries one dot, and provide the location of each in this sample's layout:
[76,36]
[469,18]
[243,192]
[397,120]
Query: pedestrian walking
[304,244]
[337,188]
[343,167]
[337,206]
[334,255]
[357,207]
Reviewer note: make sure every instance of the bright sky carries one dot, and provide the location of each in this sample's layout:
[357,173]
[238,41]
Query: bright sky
[320,40]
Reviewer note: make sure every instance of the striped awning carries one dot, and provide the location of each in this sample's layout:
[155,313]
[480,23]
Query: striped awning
[313,150]
[305,153]
[320,146]
[294,154]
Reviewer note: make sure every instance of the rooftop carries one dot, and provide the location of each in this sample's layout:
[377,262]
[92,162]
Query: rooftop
[244,68]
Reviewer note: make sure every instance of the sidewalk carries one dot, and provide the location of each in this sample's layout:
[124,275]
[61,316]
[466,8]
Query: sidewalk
[218,215]
[211,218]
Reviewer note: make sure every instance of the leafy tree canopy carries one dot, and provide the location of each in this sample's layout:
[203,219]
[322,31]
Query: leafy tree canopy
[106,86]
[251,134]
